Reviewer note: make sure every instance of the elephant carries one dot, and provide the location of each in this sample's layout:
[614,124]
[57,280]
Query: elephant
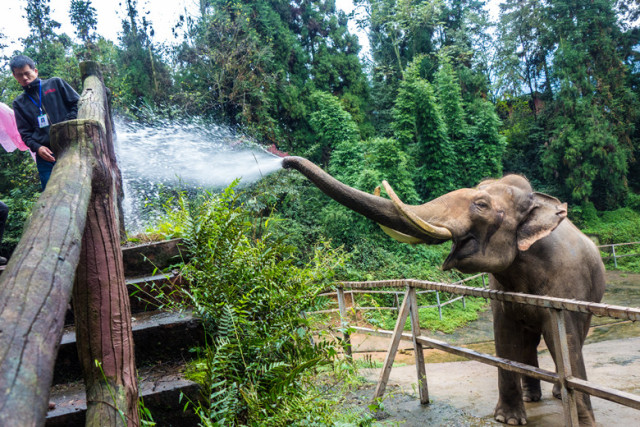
[525,242]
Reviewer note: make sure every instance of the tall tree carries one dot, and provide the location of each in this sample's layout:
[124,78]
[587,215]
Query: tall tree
[43,44]
[524,58]
[590,144]
[270,56]
[225,69]
[83,17]
[464,37]
[472,129]
[146,78]
[422,133]
[399,30]
[524,48]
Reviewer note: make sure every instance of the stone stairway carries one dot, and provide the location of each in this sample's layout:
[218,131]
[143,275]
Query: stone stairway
[163,339]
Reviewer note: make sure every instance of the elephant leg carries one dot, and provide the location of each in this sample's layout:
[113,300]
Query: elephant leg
[577,325]
[531,391]
[509,343]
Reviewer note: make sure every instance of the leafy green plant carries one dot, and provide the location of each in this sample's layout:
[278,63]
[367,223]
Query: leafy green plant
[259,365]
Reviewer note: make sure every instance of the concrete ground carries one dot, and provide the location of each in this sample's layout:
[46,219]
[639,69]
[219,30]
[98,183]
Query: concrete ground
[470,388]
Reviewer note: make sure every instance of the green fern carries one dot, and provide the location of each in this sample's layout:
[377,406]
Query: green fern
[249,290]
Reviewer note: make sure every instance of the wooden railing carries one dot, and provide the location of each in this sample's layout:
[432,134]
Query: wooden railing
[564,376]
[73,236]
[341,296]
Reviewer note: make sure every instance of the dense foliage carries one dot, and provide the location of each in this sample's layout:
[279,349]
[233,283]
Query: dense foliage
[443,102]
[249,288]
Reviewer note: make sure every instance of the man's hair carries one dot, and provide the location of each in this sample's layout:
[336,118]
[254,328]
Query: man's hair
[20,61]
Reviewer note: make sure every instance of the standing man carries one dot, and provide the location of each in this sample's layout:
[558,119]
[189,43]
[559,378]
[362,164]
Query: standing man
[43,103]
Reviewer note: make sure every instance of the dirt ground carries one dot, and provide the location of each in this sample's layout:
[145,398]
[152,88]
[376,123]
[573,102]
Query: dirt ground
[464,393]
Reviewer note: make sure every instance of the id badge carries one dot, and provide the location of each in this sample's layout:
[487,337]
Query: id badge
[43,122]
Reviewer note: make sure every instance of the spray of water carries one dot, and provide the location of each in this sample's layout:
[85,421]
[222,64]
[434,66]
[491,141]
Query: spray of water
[172,154]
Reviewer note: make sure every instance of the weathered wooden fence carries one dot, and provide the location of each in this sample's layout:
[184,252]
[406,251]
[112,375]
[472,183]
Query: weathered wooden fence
[564,377]
[343,307]
[72,236]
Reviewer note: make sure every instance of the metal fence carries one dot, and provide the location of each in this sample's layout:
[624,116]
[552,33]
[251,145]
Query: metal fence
[342,294]
[615,256]
[564,377]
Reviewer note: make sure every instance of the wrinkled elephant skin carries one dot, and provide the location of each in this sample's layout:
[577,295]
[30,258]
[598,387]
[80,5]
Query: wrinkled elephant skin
[523,239]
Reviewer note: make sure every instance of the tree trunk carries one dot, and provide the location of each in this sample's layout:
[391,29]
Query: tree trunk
[101,300]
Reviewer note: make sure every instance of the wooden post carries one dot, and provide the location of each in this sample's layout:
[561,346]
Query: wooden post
[342,306]
[564,368]
[100,297]
[417,347]
[403,314]
[35,288]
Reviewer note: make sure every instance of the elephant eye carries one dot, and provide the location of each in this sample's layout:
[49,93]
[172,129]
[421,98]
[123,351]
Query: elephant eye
[481,204]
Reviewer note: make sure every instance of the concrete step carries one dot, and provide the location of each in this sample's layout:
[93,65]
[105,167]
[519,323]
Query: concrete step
[159,386]
[145,293]
[159,337]
[149,258]
[148,293]
[163,342]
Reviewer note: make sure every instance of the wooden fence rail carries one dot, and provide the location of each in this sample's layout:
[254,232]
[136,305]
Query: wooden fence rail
[355,307]
[569,383]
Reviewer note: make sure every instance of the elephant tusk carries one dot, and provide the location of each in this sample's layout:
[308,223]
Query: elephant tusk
[401,237]
[432,230]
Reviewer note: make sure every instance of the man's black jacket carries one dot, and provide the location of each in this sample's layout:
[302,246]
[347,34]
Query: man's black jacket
[59,101]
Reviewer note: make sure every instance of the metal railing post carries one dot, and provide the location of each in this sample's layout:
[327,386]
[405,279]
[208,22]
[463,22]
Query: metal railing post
[615,260]
[342,306]
[439,306]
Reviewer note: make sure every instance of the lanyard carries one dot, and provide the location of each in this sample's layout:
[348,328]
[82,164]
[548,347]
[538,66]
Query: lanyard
[39,103]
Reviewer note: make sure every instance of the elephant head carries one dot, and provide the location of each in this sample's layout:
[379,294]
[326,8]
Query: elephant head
[488,225]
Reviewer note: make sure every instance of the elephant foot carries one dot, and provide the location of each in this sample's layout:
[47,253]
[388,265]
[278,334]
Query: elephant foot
[557,391]
[531,392]
[511,416]
[586,420]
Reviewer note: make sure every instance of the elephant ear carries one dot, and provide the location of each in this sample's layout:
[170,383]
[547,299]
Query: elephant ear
[545,213]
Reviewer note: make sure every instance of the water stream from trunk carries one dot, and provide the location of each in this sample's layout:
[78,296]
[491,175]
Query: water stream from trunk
[182,156]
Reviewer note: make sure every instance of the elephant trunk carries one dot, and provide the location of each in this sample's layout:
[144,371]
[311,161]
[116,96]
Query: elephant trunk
[389,214]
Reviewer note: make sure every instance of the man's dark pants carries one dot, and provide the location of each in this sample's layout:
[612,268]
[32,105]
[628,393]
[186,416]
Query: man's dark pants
[44,170]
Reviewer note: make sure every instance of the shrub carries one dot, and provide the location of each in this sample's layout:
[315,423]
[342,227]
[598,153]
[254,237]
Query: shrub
[245,285]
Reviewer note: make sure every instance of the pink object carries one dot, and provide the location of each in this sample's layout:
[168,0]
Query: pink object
[9,135]
[274,150]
